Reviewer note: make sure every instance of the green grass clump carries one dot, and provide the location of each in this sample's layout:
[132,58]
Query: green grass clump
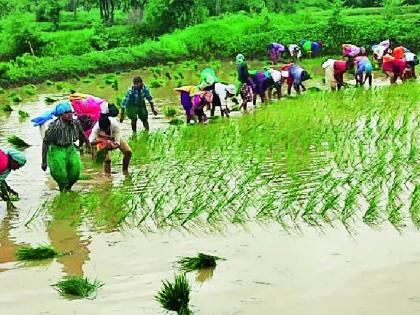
[6,108]
[175,296]
[176,122]
[78,286]
[49,99]
[16,98]
[17,142]
[2,91]
[157,83]
[36,253]
[23,114]
[49,82]
[30,90]
[169,111]
[201,261]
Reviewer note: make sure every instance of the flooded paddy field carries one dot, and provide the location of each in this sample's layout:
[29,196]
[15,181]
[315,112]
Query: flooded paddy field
[313,201]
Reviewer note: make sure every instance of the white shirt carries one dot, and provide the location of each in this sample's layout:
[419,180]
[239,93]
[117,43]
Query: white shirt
[275,75]
[115,130]
[409,56]
[220,90]
[292,48]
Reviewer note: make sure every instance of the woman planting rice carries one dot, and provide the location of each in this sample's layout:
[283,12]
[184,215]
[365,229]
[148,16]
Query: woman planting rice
[245,84]
[106,136]
[58,150]
[10,160]
[274,52]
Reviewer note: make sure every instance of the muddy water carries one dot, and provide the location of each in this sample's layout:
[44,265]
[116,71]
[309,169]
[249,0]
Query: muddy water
[266,271]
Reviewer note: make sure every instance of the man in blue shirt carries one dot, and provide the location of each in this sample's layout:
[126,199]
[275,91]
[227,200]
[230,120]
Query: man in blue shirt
[135,105]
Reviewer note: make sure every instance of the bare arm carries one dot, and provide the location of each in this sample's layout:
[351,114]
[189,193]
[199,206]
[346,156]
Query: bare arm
[44,156]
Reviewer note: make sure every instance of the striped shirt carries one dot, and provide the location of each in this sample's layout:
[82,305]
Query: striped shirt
[63,133]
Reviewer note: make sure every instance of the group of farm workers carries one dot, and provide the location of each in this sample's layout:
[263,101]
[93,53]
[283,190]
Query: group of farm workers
[93,121]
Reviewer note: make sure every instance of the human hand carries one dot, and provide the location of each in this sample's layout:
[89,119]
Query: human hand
[154,112]
[44,166]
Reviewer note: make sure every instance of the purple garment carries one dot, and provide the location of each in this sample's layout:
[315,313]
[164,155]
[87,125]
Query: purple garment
[258,80]
[186,102]
[278,47]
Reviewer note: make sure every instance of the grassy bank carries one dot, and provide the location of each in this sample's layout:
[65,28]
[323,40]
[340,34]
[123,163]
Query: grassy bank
[323,158]
[219,38]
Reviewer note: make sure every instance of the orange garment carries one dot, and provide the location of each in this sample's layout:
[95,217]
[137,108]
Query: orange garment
[398,52]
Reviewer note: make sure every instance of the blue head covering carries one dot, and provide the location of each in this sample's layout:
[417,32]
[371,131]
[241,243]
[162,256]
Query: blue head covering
[59,109]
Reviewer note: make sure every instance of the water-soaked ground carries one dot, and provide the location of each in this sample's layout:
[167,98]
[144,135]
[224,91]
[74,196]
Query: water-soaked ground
[266,271]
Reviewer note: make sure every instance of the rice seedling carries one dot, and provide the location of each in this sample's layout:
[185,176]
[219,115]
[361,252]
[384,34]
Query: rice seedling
[175,296]
[6,108]
[23,114]
[157,83]
[176,122]
[59,86]
[16,98]
[78,286]
[30,90]
[201,261]
[49,99]
[17,142]
[36,253]
[169,111]
[49,82]
[87,80]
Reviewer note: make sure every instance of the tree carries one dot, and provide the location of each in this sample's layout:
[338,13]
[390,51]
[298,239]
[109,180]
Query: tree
[107,8]
[135,8]
[49,10]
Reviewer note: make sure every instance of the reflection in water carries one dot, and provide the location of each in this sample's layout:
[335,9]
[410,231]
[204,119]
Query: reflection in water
[64,236]
[205,274]
[7,245]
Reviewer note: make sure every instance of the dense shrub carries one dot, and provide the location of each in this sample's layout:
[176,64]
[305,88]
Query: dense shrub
[222,38]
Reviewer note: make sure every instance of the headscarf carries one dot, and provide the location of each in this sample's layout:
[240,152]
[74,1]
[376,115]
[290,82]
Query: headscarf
[240,58]
[17,156]
[59,109]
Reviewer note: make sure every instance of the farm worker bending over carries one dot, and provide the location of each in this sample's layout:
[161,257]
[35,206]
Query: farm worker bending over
[274,51]
[296,76]
[311,48]
[10,160]
[58,149]
[273,81]
[106,136]
[185,98]
[199,101]
[208,79]
[412,62]
[379,51]
[222,93]
[245,83]
[399,52]
[135,105]
[351,51]
[295,52]
[258,77]
[334,73]
[394,68]
[363,70]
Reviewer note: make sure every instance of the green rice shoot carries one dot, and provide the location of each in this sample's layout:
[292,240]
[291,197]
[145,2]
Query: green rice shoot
[78,286]
[175,296]
[36,253]
[201,261]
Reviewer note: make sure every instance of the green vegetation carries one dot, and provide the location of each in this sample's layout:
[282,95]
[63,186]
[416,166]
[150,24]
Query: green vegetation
[78,286]
[23,114]
[175,296]
[170,111]
[246,33]
[36,253]
[322,158]
[201,261]
[17,142]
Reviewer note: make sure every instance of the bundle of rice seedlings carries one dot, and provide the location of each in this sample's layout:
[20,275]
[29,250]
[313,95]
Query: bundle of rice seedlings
[16,98]
[157,83]
[175,296]
[176,122]
[23,114]
[169,111]
[201,261]
[17,142]
[36,253]
[6,108]
[60,86]
[49,82]
[50,100]
[30,89]
[87,80]
[78,286]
